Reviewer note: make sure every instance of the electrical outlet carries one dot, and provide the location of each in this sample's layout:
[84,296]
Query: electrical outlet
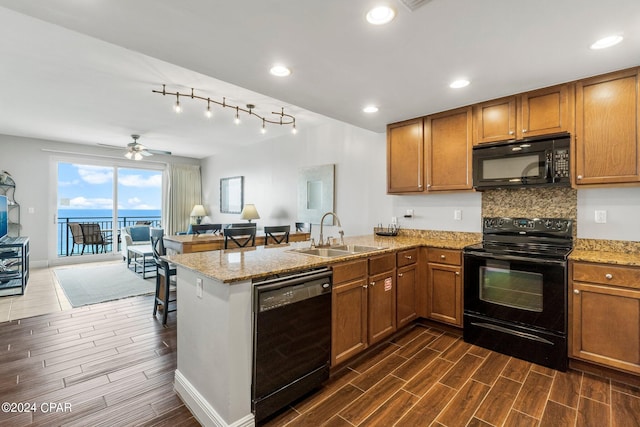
[394,220]
[457,214]
[199,287]
[601,217]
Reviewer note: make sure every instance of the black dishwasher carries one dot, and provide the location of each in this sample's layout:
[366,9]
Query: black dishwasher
[291,338]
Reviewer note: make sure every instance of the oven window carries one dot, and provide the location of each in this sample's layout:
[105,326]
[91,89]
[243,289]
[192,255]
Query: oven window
[511,288]
[512,167]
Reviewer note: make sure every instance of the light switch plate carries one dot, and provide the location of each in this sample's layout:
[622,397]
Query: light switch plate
[601,217]
[199,287]
[457,214]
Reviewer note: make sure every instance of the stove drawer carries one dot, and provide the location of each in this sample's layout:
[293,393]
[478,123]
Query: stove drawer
[445,256]
[607,274]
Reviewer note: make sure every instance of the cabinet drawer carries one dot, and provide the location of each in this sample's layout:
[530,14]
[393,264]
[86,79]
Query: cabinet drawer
[408,257]
[381,263]
[444,256]
[607,274]
[349,271]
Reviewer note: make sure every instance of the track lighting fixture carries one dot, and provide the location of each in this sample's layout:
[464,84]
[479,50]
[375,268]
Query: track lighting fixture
[284,119]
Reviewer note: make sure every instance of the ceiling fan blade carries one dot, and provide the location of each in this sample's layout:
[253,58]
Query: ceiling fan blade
[119,147]
[145,153]
[166,153]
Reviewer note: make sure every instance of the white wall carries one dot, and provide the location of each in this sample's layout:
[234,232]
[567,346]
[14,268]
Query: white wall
[623,213]
[31,168]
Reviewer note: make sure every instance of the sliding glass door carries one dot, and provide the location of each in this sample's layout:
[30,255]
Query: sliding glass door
[94,201]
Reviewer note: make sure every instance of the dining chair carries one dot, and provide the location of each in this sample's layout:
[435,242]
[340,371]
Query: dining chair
[206,228]
[278,234]
[303,227]
[241,237]
[165,271]
[241,225]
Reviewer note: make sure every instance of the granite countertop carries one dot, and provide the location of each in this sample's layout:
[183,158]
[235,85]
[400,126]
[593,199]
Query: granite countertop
[235,265]
[621,252]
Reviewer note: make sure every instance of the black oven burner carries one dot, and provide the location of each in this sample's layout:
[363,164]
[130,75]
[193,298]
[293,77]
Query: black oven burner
[515,288]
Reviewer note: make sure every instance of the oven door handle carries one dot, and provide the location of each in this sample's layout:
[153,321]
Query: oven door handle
[502,257]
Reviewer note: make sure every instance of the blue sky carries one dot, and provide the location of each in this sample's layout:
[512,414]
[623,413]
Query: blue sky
[91,187]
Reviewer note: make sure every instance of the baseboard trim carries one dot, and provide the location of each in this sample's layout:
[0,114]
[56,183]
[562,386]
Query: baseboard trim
[201,409]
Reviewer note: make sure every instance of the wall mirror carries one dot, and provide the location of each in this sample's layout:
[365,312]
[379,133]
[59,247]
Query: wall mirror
[231,194]
[315,192]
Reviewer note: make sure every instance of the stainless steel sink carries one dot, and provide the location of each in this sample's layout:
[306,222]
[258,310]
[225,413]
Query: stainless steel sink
[356,249]
[323,252]
[336,251]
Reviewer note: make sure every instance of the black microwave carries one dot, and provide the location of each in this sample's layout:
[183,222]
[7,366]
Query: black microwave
[530,163]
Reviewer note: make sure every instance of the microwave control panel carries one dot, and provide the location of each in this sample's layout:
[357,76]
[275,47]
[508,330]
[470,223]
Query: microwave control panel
[561,162]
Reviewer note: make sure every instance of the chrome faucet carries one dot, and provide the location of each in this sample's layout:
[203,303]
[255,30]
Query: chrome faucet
[321,242]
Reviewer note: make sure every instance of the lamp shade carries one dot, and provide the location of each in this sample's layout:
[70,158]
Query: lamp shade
[249,212]
[198,210]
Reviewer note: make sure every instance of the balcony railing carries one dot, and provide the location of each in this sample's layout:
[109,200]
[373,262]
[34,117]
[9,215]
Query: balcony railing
[65,238]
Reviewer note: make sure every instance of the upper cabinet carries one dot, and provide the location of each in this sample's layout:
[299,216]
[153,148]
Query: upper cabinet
[405,157]
[495,120]
[448,144]
[540,112]
[607,122]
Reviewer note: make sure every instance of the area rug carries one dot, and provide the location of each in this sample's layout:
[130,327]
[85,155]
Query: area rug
[94,284]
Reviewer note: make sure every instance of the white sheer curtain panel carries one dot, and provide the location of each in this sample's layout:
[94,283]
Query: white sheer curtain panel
[184,191]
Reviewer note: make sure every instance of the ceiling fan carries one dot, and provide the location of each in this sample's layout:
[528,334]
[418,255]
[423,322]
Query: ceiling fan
[137,151]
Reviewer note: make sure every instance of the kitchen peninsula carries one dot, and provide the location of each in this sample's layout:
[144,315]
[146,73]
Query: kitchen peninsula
[214,313]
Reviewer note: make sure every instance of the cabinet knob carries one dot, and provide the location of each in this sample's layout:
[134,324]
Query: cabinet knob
[372,283]
[419,185]
[524,131]
[400,275]
[407,256]
[608,276]
[365,286]
[428,185]
[579,176]
[510,132]
[457,273]
[442,257]
[576,291]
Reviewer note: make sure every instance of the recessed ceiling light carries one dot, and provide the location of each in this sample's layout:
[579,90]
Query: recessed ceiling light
[380,15]
[370,109]
[457,84]
[607,42]
[280,71]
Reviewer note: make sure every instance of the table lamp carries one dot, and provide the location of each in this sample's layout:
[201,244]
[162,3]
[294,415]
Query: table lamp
[198,211]
[249,212]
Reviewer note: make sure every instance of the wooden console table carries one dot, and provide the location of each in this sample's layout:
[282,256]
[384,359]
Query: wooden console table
[188,243]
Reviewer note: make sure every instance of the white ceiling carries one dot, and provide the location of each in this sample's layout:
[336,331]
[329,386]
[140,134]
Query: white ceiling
[83,71]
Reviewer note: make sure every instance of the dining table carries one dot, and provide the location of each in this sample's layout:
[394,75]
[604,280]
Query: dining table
[189,243]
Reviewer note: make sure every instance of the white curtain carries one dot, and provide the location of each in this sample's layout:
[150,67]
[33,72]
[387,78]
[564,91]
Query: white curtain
[183,192]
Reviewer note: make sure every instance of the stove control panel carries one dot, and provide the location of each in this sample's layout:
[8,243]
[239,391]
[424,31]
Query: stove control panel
[502,225]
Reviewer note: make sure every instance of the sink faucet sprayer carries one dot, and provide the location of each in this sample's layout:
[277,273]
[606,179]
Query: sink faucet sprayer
[321,237]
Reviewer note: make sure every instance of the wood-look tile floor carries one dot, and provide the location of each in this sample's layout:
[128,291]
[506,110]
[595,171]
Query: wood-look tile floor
[113,363]
[109,364]
[429,377]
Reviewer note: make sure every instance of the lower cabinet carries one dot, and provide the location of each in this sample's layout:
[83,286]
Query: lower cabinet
[363,305]
[406,287]
[604,310]
[444,286]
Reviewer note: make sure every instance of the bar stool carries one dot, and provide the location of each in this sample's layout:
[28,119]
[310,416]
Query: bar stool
[164,271]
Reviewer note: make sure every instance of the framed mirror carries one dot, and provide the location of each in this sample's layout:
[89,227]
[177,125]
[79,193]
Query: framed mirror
[315,192]
[231,194]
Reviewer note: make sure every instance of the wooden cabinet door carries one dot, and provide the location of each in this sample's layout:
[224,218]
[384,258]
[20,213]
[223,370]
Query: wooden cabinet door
[495,120]
[406,295]
[445,293]
[607,122]
[382,306]
[605,325]
[405,157]
[544,112]
[448,142]
[349,320]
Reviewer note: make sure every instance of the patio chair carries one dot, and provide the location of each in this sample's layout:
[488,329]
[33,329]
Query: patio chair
[76,233]
[92,236]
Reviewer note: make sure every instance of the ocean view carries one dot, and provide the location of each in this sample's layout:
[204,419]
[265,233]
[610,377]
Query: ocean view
[102,217]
